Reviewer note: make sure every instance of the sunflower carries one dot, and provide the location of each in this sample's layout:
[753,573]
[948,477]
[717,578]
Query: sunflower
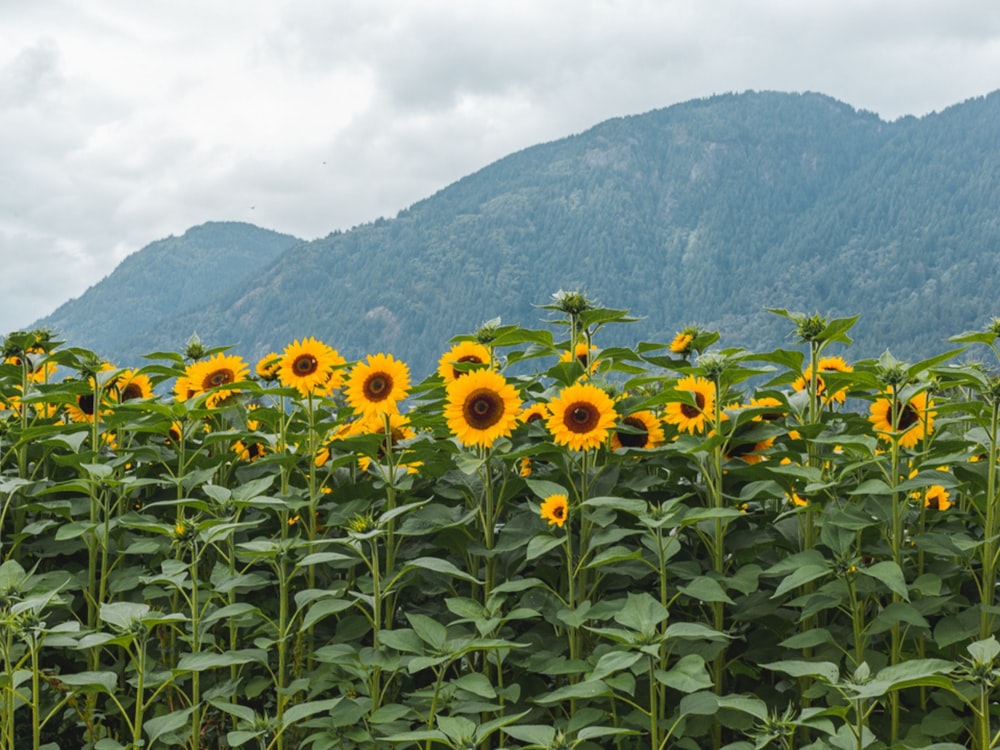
[220,370]
[692,416]
[533,413]
[481,406]
[83,410]
[584,354]
[581,416]
[937,498]
[267,367]
[751,453]
[131,385]
[470,353]
[555,510]
[308,366]
[378,385]
[776,409]
[643,430]
[399,429]
[914,420]
[682,343]
[825,364]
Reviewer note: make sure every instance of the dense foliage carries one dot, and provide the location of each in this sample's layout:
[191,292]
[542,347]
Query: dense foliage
[690,547]
[706,211]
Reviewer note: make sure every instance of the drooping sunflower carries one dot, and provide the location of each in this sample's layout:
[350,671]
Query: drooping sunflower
[584,354]
[469,353]
[130,385]
[688,416]
[219,370]
[267,367]
[555,510]
[640,429]
[309,367]
[581,417]
[914,420]
[825,364]
[481,406]
[682,342]
[937,498]
[378,385]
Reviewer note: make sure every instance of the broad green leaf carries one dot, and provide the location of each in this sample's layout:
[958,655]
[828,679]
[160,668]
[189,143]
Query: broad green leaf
[167,723]
[302,710]
[825,670]
[706,589]
[889,573]
[688,675]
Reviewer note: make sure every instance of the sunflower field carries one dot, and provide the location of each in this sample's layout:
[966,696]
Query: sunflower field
[544,544]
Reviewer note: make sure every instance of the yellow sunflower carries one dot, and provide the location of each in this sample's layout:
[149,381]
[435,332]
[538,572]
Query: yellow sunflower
[914,420]
[555,510]
[398,429]
[585,355]
[308,366]
[267,367]
[688,416]
[751,453]
[682,343]
[533,413]
[131,385]
[937,498]
[643,430]
[481,406]
[581,416]
[83,410]
[773,414]
[469,353]
[825,364]
[378,385]
[219,370]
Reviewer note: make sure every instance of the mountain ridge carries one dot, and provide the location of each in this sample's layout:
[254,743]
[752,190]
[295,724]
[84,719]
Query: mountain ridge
[802,200]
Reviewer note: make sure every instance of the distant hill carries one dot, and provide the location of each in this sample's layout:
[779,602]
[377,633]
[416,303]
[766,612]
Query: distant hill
[166,279]
[705,212]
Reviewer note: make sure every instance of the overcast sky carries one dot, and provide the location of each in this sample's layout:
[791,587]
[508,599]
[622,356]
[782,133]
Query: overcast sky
[124,122]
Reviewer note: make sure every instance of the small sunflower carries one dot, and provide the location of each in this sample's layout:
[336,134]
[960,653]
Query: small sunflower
[937,498]
[584,354]
[682,342]
[581,416]
[751,453]
[219,370]
[825,364]
[533,413]
[267,367]
[399,429]
[470,353]
[688,416]
[914,420]
[481,406]
[378,385]
[643,430]
[131,385]
[308,366]
[555,510]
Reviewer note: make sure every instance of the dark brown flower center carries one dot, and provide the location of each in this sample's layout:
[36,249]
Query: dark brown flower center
[86,403]
[130,392]
[634,439]
[906,416]
[455,372]
[217,378]
[304,364]
[533,417]
[482,408]
[559,512]
[377,386]
[581,417]
[690,411]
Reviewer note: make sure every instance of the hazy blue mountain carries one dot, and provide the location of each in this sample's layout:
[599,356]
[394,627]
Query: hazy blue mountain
[703,213]
[162,281]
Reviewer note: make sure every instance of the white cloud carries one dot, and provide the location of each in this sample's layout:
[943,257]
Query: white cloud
[124,122]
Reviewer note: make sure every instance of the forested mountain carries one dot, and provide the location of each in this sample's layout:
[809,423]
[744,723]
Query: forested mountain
[702,213]
[156,285]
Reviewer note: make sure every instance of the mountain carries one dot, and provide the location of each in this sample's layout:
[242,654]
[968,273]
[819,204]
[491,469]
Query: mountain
[165,279]
[706,213]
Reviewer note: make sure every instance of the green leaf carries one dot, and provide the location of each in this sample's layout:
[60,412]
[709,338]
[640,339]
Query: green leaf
[641,613]
[208,660]
[300,711]
[440,565]
[889,573]
[157,727]
[477,684]
[613,661]
[825,670]
[429,630]
[541,544]
[800,576]
[706,589]
[688,675]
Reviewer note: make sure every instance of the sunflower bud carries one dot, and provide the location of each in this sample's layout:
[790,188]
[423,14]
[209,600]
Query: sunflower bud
[193,349]
[994,326]
[487,332]
[713,364]
[809,327]
[571,303]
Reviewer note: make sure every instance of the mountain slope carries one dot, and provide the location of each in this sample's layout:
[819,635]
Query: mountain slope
[163,280]
[705,212]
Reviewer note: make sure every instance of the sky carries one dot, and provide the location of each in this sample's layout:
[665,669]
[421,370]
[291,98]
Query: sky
[125,122]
